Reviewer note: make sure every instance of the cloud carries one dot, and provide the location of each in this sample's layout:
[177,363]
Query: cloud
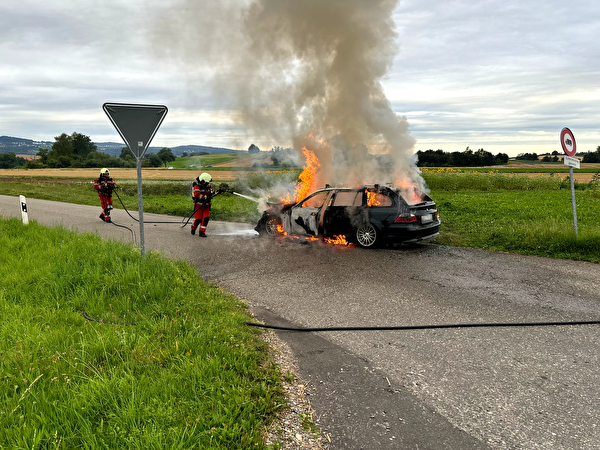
[504,75]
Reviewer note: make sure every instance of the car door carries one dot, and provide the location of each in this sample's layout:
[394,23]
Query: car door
[341,212]
[304,216]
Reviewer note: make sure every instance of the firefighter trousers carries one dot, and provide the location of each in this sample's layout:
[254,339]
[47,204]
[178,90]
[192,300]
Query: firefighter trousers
[201,216]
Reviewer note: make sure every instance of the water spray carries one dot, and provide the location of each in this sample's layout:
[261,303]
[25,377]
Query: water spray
[247,197]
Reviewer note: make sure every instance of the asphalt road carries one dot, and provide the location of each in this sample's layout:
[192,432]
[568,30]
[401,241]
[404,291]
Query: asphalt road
[464,388]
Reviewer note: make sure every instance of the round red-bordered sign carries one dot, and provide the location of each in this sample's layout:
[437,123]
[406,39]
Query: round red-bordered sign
[567,140]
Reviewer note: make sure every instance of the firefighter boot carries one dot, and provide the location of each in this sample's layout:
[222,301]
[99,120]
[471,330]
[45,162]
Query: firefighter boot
[193,231]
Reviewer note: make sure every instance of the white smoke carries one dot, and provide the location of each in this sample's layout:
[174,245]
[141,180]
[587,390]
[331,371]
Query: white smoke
[305,72]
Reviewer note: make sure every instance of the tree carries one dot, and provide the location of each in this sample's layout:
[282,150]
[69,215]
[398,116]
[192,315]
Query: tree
[501,158]
[154,160]
[43,154]
[10,160]
[166,155]
[62,153]
[70,151]
[527,157]
[483,158]
[592,157]
[126,154]
[253,149]
[82,145]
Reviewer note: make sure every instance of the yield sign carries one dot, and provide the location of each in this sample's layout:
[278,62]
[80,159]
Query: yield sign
[137,124]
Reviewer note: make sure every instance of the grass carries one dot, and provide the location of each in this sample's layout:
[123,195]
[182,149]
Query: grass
[526,222]
[181,371]
[516,213]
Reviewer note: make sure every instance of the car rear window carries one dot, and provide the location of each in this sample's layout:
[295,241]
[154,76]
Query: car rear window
[347,198]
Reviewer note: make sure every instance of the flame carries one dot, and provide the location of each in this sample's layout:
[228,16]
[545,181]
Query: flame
[409,190]
[307,179]
[337,240]
[372,199]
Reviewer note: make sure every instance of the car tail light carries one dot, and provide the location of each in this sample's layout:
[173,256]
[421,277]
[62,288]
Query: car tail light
[406,218]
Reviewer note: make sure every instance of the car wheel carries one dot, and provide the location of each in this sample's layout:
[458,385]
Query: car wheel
[271,226]
[267,226]
[366,235]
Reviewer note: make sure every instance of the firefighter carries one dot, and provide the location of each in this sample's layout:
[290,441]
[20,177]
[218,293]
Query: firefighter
[105,185]
[202,194]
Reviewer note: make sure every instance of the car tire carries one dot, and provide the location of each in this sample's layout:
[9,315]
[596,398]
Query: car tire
[366,235]
[268,226]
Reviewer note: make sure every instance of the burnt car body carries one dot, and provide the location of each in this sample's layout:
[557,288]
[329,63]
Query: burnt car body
[367,216]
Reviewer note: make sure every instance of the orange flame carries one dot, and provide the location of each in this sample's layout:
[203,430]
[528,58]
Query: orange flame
[307,179]
[337,240]
[409,190]
[372,199]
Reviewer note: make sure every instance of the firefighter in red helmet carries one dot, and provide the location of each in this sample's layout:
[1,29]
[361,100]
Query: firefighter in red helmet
[202,194]
[105,185]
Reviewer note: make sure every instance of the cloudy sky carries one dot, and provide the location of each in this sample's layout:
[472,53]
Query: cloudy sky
[505,76]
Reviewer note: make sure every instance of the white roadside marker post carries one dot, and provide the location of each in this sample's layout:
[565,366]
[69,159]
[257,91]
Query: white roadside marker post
[24,215]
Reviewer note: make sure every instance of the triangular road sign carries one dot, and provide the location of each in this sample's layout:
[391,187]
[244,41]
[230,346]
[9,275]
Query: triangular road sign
[137,124]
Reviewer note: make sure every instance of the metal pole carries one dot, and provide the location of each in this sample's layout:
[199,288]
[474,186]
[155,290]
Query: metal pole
[573,199]
[140,204]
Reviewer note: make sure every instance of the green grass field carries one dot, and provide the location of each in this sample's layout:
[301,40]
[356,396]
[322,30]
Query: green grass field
[172,365]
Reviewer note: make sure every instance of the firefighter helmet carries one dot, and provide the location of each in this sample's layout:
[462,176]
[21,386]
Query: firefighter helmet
[104,172]
[204,177]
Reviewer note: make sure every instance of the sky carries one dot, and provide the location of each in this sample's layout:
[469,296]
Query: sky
[505,76]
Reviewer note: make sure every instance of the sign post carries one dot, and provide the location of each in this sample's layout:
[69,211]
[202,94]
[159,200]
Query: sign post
[137,125]
[567,141]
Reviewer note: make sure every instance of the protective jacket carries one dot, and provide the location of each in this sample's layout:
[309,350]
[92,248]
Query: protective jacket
[202,193]
[104,185]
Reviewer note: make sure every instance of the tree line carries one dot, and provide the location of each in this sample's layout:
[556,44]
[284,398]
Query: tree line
[468,158]
[78,151]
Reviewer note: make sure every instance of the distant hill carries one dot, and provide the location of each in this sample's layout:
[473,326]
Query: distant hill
[22,146]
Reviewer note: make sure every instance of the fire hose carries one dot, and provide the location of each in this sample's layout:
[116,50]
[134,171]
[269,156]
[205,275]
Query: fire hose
[137,220]
[425,327]
[183,222]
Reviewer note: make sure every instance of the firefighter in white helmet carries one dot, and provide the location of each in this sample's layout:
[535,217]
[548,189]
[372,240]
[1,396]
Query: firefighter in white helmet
[104,184]
[202,194]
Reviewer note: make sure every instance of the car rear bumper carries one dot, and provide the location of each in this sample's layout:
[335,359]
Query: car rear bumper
[411,234]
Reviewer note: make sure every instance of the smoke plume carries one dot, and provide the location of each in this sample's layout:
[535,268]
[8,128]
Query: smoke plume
[301,72]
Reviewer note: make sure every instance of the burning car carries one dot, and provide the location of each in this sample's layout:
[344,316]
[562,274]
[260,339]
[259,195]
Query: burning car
[367,215]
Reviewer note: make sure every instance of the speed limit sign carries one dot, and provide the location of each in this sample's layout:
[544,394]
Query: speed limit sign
[567,140]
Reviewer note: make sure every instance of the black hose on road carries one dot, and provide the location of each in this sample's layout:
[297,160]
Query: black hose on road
[425,327]
[137,220]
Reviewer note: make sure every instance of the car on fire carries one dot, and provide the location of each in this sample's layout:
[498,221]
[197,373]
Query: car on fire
[368,216]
